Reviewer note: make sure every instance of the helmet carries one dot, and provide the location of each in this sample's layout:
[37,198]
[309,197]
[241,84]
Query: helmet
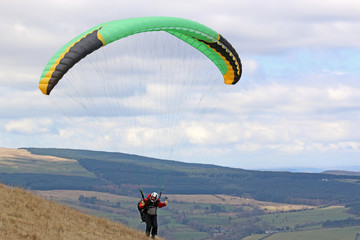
[153,195]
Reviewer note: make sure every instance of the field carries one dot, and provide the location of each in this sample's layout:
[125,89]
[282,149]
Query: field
[232,200]
[349,233]
[304,218]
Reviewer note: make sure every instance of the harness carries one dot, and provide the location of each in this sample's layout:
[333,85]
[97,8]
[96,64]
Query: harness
[151,207]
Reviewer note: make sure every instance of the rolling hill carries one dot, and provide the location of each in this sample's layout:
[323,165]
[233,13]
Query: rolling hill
[118,172]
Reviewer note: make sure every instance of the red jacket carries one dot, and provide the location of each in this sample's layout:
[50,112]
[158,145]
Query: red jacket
[159,203]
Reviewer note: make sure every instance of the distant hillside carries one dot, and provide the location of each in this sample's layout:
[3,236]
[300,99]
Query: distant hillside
[345,173]
[124,173]
[25,216]
[18,167]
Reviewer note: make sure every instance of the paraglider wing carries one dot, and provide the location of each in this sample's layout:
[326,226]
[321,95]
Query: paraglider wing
[206,40]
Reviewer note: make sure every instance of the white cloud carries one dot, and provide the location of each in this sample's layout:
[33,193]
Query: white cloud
[29,126]
[290,99]
[251,65]
[342,93]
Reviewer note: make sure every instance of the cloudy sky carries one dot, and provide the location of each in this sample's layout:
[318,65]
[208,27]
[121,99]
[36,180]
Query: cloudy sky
[297,105]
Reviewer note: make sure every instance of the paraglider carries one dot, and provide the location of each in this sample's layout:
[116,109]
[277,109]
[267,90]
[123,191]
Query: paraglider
[206,40]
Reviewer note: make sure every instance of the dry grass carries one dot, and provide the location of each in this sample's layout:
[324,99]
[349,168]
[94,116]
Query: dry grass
[25,216]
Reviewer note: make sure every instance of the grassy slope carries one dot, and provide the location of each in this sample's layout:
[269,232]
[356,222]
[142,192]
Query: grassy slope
[25,216]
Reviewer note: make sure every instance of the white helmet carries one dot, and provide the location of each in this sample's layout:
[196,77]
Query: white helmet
[155,195]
